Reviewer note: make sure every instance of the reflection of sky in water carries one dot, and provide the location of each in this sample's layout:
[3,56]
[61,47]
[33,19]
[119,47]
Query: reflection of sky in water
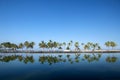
[61,70]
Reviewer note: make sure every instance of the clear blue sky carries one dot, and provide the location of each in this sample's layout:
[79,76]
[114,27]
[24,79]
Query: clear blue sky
[60,20]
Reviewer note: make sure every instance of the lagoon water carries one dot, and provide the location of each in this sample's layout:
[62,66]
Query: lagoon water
[60,66]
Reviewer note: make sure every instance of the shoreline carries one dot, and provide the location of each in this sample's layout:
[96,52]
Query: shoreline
[65,51]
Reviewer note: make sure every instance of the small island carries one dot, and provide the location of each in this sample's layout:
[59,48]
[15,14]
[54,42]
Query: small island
[58,47]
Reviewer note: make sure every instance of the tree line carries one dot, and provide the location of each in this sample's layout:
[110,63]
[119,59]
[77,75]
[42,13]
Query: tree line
[53,45]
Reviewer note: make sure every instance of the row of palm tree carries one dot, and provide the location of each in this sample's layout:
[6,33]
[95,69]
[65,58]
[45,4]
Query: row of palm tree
[8,45]
[13,46]
[53,45]
[110,44]
[93,46]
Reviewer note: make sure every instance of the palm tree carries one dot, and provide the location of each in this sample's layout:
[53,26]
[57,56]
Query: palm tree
[50,44]
[26,43]
[42,45]
[69,44]
[99,48]
[113,44]
[6,44]
[21,46]
[76,46]
[68,48]
[14,46]
[55,44]
[89,43]
[31,45]
[107,44]
[110,44]
[94,46]
[86,47]
[60,48]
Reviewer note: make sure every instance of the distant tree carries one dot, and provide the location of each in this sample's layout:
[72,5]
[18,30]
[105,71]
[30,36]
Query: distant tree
[55,44]
[31,45]
[86,47]
[99,47]
[26,43]
[6,44]
[107,44]
[110,44]
[60,48]
[14,46]
[50,44]
[76,45]
[43,45]
[95,46]
[67,48]
[113,44]
[21,46]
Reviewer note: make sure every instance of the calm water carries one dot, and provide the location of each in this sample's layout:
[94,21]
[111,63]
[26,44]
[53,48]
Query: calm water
[60,66]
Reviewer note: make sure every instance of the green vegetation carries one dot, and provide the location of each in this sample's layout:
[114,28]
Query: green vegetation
[54,46]
[110,44]
[92,46]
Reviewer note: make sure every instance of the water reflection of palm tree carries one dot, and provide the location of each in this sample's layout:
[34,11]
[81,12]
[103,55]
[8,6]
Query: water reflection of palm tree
[8,58]
[77,55]
[60,56]
[49,59]
[28,59]
[20,58]
[32,59]
[64,60]
[56,59]
[17,57]
[42,59]
[112,59]
[68,56]
[77,60]
[93,57]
